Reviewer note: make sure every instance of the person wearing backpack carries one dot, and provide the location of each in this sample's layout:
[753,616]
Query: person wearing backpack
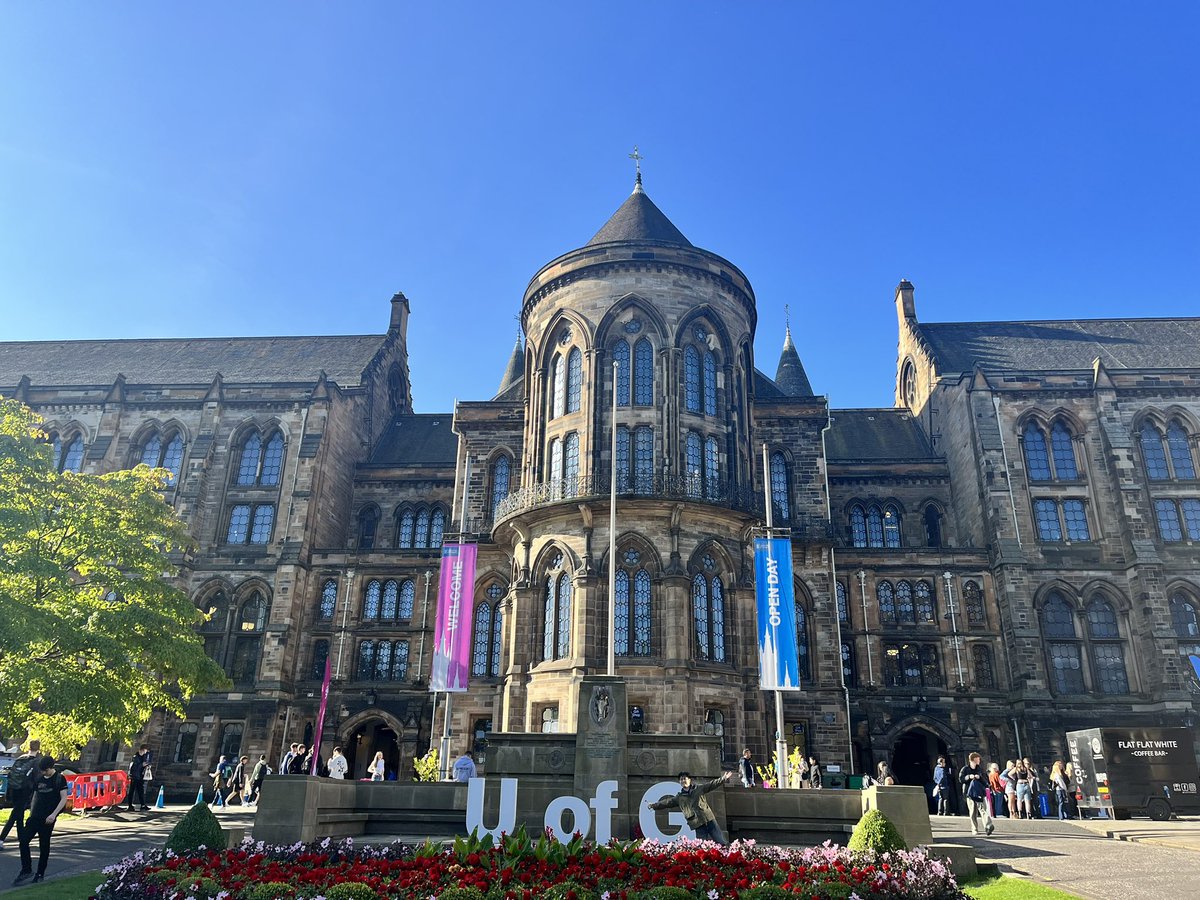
[20,788]
[973,779]
[220,775]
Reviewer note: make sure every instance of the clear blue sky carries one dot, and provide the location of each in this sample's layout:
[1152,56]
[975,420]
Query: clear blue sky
[174,169]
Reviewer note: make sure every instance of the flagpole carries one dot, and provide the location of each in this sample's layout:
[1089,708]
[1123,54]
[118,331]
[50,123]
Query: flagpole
[444,762]
[612,538]
[781,760]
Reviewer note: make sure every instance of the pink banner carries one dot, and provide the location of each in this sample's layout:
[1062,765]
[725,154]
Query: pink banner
[452,632]
[316,747]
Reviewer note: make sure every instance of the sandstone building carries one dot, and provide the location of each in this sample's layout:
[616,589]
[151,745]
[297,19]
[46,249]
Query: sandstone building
[1009,552]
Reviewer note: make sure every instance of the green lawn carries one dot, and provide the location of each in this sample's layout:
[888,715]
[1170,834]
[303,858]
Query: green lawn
[994,886]
[73,887]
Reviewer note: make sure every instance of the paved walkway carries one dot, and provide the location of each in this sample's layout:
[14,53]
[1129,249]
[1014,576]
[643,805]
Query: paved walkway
[1079,860]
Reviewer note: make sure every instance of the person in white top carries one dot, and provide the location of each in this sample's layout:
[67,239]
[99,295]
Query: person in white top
[377,767]
[337,764]
[464,768]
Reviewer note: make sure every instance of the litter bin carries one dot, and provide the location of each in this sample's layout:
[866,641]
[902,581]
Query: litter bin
[854,782]
[836,780]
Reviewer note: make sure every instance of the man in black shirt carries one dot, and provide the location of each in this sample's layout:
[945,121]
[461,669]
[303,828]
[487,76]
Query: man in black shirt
[49,798]
[20,788]
[138,768]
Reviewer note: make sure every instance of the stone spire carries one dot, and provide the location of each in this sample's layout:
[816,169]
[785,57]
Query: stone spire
[515,370]
[790,375]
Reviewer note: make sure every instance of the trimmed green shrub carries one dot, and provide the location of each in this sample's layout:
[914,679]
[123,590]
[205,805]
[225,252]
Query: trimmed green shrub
[271,890]
[351,890]
[569,890]
[767,892]
[875,831]
[198,828]
[461,893]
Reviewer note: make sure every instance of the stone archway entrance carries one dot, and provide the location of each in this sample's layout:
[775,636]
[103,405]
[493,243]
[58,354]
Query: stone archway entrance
[913,748]
[367,734]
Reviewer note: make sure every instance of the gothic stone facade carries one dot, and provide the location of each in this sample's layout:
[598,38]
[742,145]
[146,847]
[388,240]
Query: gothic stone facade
[1008,553]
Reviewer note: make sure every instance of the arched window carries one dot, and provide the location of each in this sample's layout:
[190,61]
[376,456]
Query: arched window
[843,608]
[874,527]
[632,590]
[254,614]
[1064,453]
[151,451]
[368,523]
[1181,452]
[802,641]
[693,460]
[911,665]
[779,487]
[849,670]
[710,384]
[556,620]
[1037,461]
[981,655]
[905,610]
[328,600]
[571,465]
[1108,651]
[558,386]
[501,469]
[72,457]
[574,380]
[408,593]
[320,658]
[247,646]
[366,661]
[643,373]
[858,526]
[391,598]
[168,455]
[371,599]
[482,645]
[886,597]
[272,461]
[973,602]
[1186,624]
[1066,661]
[924,595]
[621,358]
[437,526]
[708,614]
[933,526]
[256,467]
[1152,454]
[712,469]
[404,530]
[891,526]
[421,533]
[691,379]
[556,464]
[623,479]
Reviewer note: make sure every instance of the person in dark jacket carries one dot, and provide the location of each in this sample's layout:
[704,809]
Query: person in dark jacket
[21,775]
[50,791]
[974,779]
[690,801]
[301,763]
[746,769]
[138,767]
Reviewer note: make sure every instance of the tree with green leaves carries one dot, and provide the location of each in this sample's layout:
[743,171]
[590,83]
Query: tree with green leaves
[94,636]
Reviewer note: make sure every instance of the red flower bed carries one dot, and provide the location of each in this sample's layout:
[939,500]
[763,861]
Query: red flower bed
[521,869]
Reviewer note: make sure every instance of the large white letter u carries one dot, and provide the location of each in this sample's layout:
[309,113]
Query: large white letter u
[507,819]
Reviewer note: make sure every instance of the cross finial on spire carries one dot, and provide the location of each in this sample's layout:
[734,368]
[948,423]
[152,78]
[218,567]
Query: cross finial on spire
[787,319]
[517,319]
[637,162]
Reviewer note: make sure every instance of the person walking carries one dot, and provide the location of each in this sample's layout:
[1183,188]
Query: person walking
[1058,778]
[464,768]
[286,762]
[690,801]
[941,785]
[220,775]
[974,780]
[378,768]
[21,776]
[338,765]
[49,798]
[261,770]
[139,774]
[236,783]
[746,769]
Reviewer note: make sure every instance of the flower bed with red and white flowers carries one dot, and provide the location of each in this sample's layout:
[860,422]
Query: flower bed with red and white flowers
[522,869]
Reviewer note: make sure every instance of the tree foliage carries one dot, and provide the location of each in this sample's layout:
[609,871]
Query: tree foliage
[95,635]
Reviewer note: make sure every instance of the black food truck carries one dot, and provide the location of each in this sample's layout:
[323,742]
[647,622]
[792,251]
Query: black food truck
[1143,771]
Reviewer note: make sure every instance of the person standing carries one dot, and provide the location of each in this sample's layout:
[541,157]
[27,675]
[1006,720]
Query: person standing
[20,788]
[261,770]
[941,785]
[338,765]
[1008,777]
[1072,802]
[883,774]
[286,761]
[49,798]
[690,801]
[378,767]
[464,768]
[746,769]
[997,790]
[1058,778]
[139,773]
[1023,778]
[299,763]
[814,773]
[974,781]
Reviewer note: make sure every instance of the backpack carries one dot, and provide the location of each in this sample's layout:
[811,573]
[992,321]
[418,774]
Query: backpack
[21,773]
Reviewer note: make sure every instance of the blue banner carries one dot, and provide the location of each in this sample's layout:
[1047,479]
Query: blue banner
[778,660]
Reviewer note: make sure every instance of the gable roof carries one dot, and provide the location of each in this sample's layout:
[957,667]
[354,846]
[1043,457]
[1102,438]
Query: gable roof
[638,219]
[1064,345]
[417,439]
[194,361]
[875,435]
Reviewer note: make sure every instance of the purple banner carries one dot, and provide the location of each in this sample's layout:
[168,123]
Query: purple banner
[316,747]
[452,632]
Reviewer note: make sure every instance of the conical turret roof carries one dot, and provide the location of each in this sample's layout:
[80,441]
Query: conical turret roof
[790,376]
[638,219]
[514,371]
